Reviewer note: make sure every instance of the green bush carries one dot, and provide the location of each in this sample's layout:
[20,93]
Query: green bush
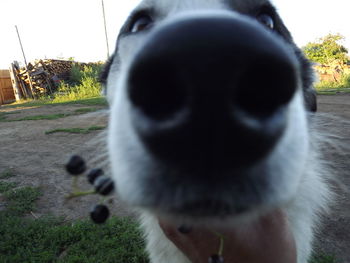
[327,49]
[83,83]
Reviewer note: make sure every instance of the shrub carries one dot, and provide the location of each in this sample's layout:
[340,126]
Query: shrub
[83,83]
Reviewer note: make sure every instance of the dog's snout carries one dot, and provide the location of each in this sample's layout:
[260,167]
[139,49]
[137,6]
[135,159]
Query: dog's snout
[211,91]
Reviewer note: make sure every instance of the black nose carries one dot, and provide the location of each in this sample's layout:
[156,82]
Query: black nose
[210,94]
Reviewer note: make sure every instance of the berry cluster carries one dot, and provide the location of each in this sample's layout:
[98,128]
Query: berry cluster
[103,185]
[216,259]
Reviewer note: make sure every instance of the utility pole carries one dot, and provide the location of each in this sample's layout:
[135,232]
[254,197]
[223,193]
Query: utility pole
[25,63]
[105,25]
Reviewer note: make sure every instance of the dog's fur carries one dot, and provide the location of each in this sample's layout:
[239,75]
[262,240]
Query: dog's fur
[293,170]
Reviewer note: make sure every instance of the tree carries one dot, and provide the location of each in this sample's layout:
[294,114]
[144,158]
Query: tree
[327,49]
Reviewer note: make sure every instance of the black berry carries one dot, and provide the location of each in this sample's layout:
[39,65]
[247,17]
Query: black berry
[183,229]
[216,259]
[104,185]
[99,214]
[76,165]
[93,174]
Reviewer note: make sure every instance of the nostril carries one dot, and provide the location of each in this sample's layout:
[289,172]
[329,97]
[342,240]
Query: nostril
[264,88]
[155,89]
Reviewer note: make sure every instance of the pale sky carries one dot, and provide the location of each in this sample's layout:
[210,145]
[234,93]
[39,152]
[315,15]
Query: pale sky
[74,28]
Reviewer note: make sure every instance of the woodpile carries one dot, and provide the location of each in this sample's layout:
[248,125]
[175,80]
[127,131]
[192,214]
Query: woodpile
[42,76]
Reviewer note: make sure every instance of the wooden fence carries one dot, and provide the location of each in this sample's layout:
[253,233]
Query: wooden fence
[7,94]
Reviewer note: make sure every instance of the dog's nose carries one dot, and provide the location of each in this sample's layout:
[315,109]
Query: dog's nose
[211,93]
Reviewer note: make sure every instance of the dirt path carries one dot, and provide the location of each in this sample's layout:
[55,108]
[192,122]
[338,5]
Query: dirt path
[335,236]
[36,158]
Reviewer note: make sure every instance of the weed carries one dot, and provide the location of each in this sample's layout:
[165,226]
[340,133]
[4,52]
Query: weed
[77,130]
[7,174]
[6,186]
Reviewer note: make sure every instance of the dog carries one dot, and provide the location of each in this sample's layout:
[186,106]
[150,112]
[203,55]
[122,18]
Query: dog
[211,122]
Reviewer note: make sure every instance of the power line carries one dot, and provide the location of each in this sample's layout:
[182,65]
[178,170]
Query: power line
[105,25]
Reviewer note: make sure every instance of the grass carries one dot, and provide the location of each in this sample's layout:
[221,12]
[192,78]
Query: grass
[2,116]
[51,239]
[43,117]
[36,117]
[6,186]
[323,259]
[77,130]
[95,101]
[20,201]
[333,92]
[8,173]
[83,83]
[333,87]
[48,116]
[85,110]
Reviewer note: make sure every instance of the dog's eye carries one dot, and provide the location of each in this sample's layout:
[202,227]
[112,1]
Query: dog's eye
[266,20]
[141,23]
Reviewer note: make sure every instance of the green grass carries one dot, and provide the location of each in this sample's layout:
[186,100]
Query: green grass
[21,200]
[49,116]
[44,117]
[96,101]
[333,91]
[77,130]
[333,87]
[323,259]
[83,83]
[8,173]
[85,110]
[2,116]
[51,239]
[6,186]
[38,117]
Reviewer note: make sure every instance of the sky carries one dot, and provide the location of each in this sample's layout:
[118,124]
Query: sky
[74,28]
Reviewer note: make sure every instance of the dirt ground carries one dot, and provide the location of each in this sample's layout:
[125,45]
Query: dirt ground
[37,160]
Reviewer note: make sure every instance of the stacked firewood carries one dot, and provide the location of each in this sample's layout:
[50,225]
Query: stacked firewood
[44,75]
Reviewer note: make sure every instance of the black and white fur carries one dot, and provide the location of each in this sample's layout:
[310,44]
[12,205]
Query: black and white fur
[293,173]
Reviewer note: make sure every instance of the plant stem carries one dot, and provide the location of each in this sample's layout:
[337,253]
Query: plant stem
[222,239]
[79,194]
